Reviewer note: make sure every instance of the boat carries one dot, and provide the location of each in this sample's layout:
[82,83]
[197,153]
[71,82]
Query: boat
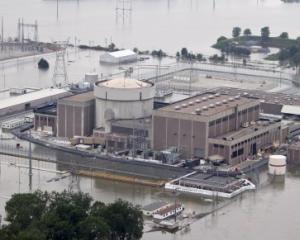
[170,211]
[43,64]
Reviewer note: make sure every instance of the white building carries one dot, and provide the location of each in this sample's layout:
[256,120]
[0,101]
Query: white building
[122,99]
[118,57]
[31,100]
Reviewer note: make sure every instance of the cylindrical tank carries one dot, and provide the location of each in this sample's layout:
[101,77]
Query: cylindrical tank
[277,165]
[122,98]
[91,77]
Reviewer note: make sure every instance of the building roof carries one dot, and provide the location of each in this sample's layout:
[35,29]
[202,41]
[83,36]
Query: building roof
[122,53]
[208,104]
[154,206]
[47,110]
[80,98]
[267,97]
[128,83]
[290,109]
[30,97]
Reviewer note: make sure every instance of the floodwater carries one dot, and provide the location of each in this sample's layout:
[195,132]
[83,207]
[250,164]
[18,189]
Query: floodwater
[272,212]
[154,24]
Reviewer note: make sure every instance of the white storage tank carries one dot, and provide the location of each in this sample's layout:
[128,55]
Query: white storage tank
[91,77]
[277,165]
[122,98]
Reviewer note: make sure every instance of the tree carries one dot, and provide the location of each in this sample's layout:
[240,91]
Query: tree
[265,33]
[284,35]
[184,52]
[236,32]
[24,209]
[111,46]
[125,220]
[221,39]
[69,216]
[247,32]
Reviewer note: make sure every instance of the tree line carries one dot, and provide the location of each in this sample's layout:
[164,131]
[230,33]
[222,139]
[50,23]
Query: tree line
[69,216]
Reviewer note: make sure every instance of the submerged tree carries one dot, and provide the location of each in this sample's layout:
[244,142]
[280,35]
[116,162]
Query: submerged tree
[265,33]
[247,32]
[284,35]
[236,32]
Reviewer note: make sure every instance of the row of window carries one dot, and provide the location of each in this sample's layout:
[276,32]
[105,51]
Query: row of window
[249,140]
[237,153]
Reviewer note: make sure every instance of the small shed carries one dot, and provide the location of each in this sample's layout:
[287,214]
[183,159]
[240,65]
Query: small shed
[118,57]
[154,207]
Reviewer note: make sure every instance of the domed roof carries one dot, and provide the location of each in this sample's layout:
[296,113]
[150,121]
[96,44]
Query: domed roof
[124,83]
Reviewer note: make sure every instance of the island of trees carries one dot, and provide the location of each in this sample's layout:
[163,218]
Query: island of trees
[69,216]
[242,40]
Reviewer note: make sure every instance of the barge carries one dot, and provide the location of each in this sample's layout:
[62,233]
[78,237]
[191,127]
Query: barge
[209,185]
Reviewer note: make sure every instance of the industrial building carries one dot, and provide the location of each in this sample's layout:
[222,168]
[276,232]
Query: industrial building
[270,102]
[31,100]
[118,57]
[76,115]
[293,153]
[45,119]
[122,99]
[210,124]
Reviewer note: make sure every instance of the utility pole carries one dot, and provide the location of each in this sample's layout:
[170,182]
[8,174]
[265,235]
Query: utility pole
[30,162]
[57,9]
[123,10]
[2,34]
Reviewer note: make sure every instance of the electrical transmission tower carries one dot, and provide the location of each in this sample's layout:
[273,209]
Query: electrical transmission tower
[22,27]
[60,77]
[123,10]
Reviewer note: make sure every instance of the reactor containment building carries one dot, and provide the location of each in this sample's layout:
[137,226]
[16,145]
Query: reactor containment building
[121,99]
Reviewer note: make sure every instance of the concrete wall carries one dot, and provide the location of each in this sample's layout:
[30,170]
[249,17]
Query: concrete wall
[75,119]
[188,136]
[293,155]
[271,108]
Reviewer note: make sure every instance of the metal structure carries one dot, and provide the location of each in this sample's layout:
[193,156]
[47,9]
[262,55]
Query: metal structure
[60,76]
[22,27]
[123,10]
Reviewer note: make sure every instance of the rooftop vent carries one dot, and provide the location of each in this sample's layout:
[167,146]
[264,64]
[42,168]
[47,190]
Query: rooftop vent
[198,111]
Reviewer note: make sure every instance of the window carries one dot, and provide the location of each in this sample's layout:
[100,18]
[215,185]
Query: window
[234,154]
[240,152]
